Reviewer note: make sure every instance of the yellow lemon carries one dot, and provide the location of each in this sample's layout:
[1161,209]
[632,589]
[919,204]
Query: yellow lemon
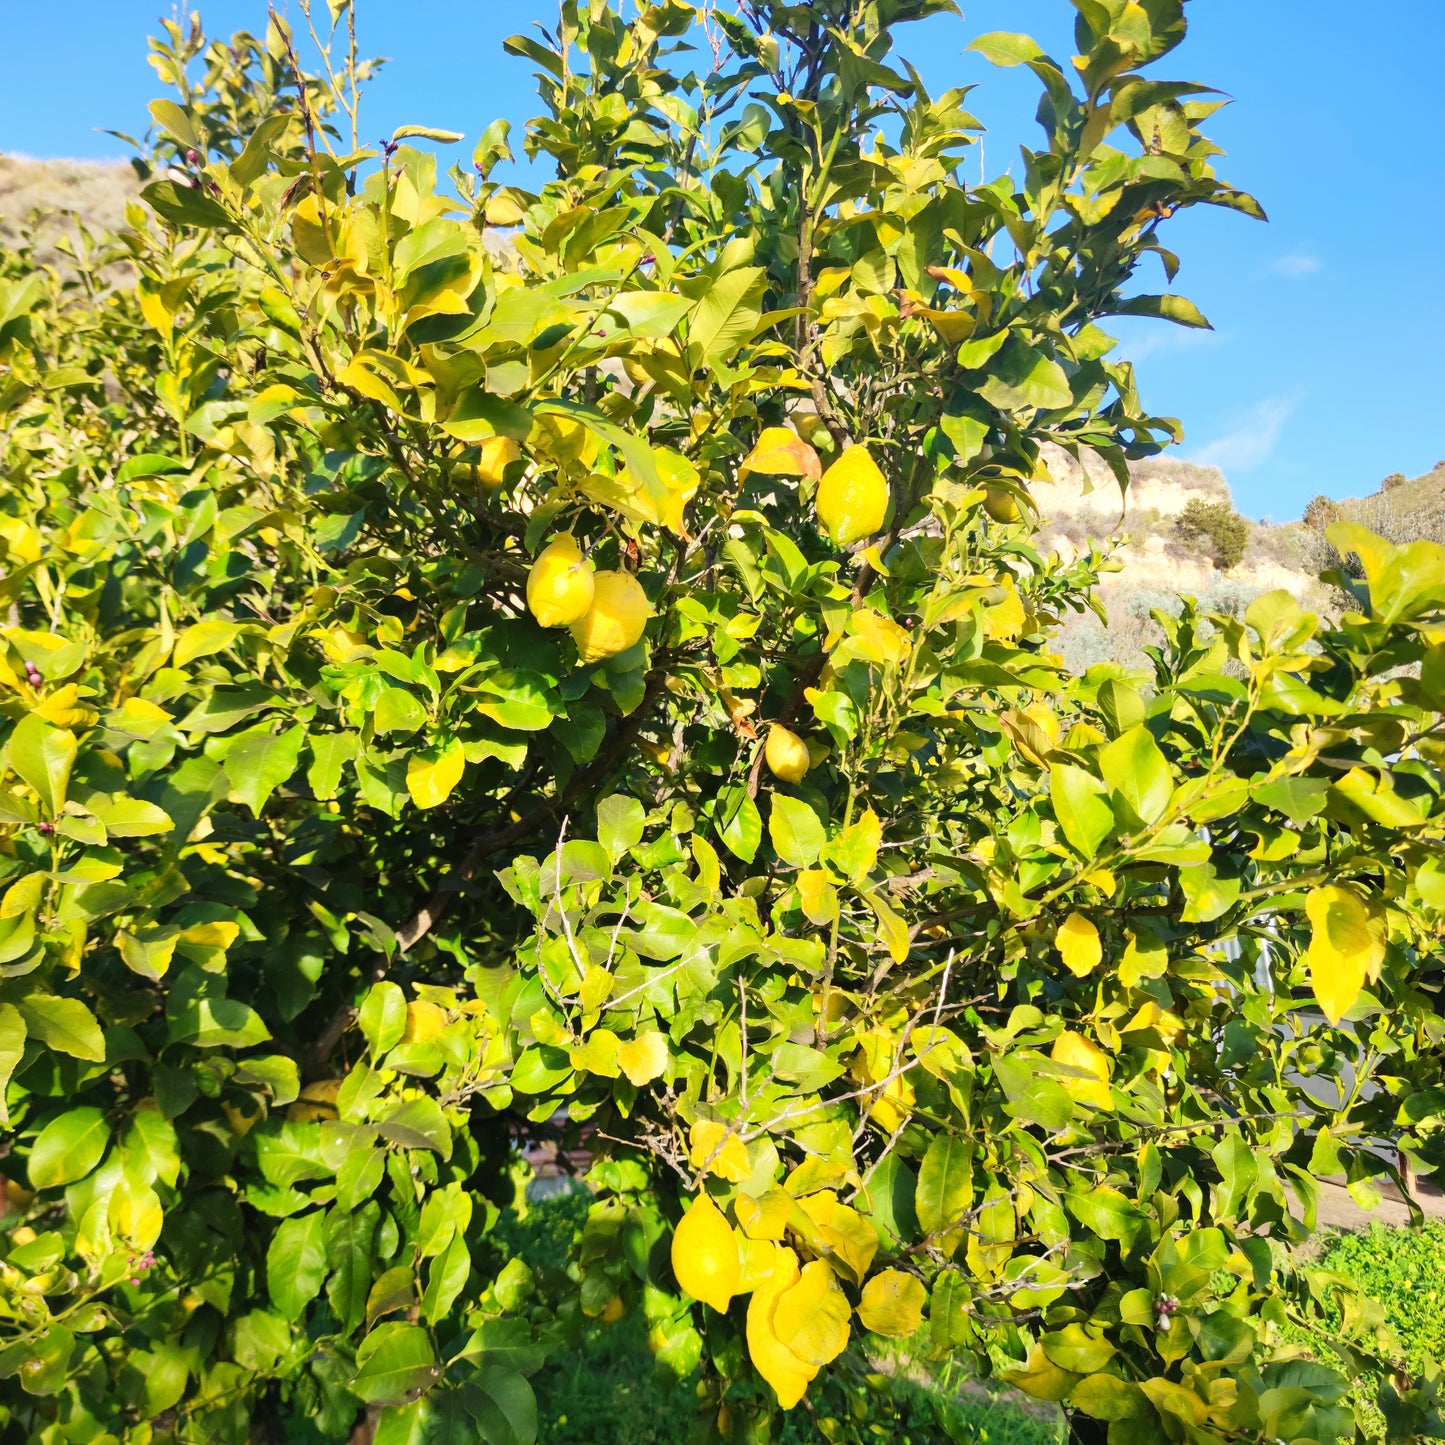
[852,497]
[498,453]
[705,1255]
[615,620]
[424,1021]
[786,754]
[560,586]
[1000,503]
[614,1310]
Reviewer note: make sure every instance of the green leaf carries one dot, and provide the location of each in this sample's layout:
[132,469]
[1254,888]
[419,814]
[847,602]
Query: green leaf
[1207,895]
[204,639]
[1081,807]
[65,1024]
[503,1405]
[130,817]
[185,206]
[1020,376]
[68,1148]
[945,1184]
[199,1013]
[1138,774]
[1105,1211]
[727,315]
[1073,1348]
[351,1251]
[383,1016]
[258,764]
[12,1050]
[43,755]
[330,752]
[397,711]
[796,833]
[1000,47]
[391,1362]
[1178,309]
[446,1278]
[406,1424]
[418,1124]
[738,822]
[170,117]
[620,821]
[296,1262]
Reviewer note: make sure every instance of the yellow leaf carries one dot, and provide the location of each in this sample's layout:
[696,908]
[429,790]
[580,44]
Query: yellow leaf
[878,638]
[758,1256]
[939,1050]
[842,1232]
[772,1359]
[705,1255]
[137,718]
[599,1055]
[719,1152]
[852,498]
[765,1217]
[811,1317]
[781,452]
[818,896]
[1074,1051]
[892,1304]
[64,708]
[644,1058]
[431,775]
[1078,943]
[1347,945]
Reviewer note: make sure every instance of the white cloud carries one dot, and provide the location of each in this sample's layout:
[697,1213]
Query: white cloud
[1297,265]
[1252,441]
[1163,339]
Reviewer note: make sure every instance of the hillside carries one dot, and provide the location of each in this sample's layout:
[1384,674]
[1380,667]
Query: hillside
[58,190]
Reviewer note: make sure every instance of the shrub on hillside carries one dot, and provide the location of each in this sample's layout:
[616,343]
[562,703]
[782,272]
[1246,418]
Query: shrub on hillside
[1216,528]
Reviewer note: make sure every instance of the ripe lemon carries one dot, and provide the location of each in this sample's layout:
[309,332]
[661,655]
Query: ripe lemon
[615,620]
[705,1255]
[786,754]
[560,585]
[498,453]
[1000,503]
[852,497]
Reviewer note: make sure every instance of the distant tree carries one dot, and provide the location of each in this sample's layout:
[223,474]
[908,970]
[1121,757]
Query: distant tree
[1395,479]
[1217,528]
[1320,512]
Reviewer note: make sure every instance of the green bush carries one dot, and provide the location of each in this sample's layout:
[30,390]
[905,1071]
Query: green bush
[1404,1271]
[1216,527]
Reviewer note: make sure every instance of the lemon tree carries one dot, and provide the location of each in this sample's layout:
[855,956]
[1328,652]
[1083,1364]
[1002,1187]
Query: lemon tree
[487,665]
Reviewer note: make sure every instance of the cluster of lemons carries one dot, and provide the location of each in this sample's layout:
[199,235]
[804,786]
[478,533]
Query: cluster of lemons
[799,1316]
[607,612]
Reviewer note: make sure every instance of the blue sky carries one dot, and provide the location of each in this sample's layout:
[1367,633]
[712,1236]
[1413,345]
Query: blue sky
[1326,368]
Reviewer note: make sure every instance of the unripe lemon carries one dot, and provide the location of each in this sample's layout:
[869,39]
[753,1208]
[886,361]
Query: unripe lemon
[786,754]
[560,585]
[1000,503]
[616,619]
[498,453]
[705,1255]
[852,497]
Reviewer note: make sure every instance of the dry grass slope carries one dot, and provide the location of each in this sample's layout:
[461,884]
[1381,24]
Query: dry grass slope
[42,197]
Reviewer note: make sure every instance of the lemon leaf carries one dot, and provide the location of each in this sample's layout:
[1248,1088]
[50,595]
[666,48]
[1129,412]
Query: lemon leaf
[719,1152]
[781,452]
[644,1058]
[1078,943]
[432,774]
[1347,945]
[892,1304]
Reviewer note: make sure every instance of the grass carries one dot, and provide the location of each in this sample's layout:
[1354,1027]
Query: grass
[608,1391]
